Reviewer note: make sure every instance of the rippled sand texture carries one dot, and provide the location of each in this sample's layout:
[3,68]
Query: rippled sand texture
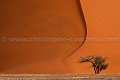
[61,77]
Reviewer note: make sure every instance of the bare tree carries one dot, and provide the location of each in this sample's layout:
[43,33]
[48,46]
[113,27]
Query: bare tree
[98,62]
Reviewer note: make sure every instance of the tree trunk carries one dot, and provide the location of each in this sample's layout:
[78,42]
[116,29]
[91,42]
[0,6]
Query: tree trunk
[95,70]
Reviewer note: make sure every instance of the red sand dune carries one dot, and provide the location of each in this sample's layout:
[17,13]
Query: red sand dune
[39,18]
[28,18]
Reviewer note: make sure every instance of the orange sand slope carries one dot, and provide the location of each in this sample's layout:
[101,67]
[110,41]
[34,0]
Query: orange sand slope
[38,18]
[103,21]
[102,18]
